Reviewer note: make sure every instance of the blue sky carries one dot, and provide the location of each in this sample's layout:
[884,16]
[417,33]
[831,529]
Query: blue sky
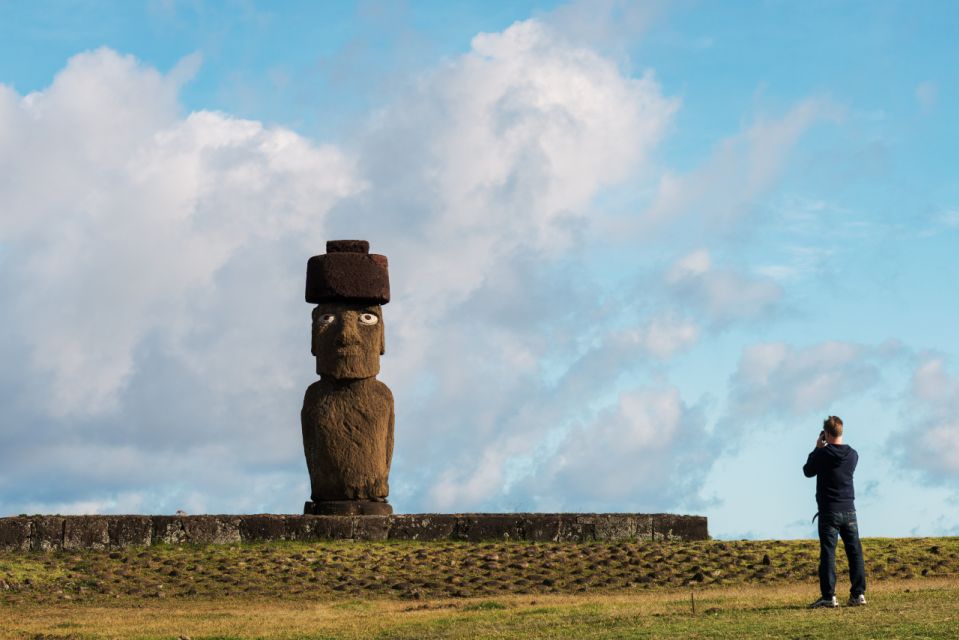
[638,252]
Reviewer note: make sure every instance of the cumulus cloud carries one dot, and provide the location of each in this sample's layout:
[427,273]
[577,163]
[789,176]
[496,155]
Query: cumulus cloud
[152,263]
[663,337]
[722,295]
[649,451]
[120,214]
[930,441]
[775,379]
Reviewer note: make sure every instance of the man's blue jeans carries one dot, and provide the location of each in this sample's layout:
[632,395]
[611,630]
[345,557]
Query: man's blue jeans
[841,524]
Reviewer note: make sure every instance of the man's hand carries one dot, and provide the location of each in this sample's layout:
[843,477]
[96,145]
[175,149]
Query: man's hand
[820,443]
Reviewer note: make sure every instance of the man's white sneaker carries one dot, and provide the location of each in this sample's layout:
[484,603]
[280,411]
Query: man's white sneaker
[830,603]
[857,601]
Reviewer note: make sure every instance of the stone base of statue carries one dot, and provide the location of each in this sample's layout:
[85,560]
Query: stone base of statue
[347,508]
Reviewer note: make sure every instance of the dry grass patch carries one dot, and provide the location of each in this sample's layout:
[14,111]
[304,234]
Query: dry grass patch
[912,608]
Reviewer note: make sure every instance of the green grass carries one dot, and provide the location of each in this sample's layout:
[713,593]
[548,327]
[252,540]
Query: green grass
[27,570]
[463,590]
[917,608]
[424,570]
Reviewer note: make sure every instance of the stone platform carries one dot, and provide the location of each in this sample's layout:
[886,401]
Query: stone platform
[50,533]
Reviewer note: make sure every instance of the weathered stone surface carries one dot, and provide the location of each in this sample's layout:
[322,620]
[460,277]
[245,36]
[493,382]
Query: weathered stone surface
[348,508]
[220,529]
[264,527]
[47,533]
[610,526]
[169,530]
[86,532]
[489,526]
[130,531]
[300,528]
[573,529]
[426,526]
[667,526]
[15,534]
[348,439]
[348,271]
[330,527]
[371,527]
[543,527]
[644,527]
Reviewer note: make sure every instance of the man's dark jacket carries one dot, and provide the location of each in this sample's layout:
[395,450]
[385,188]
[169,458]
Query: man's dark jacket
[833,466]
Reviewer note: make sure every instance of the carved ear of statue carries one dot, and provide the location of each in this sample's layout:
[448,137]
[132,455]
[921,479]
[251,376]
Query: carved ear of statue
[382,337]
[313,335]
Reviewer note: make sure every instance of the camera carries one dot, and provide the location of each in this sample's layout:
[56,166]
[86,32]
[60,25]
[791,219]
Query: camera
[822,437]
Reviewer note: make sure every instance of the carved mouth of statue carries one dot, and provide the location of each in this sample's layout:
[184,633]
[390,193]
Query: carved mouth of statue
[349,351]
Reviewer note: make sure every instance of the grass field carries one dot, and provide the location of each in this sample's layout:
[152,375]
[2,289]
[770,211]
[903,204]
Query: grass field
[461,590]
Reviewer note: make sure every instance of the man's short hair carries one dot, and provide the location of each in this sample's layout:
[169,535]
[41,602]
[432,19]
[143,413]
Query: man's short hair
[832,426]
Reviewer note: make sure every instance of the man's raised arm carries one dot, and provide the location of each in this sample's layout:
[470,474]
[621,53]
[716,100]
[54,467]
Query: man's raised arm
[811,467]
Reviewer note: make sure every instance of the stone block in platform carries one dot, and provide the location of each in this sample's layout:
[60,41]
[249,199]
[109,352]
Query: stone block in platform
[130,531]
[168,530]
[490,526]
[330,527]
[423,526]
[15,534]
[264,527]
[46,533]
[667,526]
[371,528]
[86,532]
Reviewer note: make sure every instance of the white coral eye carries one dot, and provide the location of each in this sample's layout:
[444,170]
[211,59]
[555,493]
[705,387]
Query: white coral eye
[326,318]
[368,318]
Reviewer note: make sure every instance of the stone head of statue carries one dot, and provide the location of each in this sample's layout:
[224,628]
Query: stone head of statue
[348,339]
[348,284]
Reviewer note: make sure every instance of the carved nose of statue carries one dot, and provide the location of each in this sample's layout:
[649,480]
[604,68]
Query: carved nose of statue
[349,334]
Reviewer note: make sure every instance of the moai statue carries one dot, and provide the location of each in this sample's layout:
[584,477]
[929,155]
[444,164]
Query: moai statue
[347,415]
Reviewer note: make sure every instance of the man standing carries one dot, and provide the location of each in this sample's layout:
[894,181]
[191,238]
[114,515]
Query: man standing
[833,464]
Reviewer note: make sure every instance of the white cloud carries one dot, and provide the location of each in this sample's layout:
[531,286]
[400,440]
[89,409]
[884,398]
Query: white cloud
[152,279]
[663,337]
[723,295]
[774,379]
[649,451]
[120,214]
[930,441]
[505,147]
[514,422]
